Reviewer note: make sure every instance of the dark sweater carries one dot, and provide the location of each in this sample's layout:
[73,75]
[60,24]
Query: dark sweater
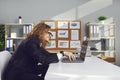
[29,60]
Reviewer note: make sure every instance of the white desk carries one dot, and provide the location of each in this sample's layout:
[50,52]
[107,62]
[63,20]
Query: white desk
[92,69]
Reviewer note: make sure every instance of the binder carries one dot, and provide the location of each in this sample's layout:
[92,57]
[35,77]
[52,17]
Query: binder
[111,30]
[98,31]
[106,30]
[91,31]
[8,45]
[103,42]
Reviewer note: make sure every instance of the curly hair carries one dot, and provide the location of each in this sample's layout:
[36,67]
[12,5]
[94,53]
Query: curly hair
[39,31]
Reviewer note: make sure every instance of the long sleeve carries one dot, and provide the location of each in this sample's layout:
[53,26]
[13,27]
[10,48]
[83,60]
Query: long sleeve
[39,54]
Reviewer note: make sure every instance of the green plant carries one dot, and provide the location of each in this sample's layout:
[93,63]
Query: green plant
[2,37]
[100,18]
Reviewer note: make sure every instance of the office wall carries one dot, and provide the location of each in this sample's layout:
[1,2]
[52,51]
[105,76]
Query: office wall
[110,11]
[36,10]
[116,13]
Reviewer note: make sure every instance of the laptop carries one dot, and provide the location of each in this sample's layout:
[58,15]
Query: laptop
[81,57]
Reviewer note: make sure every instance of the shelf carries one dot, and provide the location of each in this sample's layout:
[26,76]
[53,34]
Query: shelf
[15,33]
[103,51]
[101,24]
[102,37]
[99,38]
[16,38]
[14,24]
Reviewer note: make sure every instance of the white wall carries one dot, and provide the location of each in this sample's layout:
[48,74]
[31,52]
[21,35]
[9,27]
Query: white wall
[34,10]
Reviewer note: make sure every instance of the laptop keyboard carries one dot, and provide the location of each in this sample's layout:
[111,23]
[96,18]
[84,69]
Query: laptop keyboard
[77,60]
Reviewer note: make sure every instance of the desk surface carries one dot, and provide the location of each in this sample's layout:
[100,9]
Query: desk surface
[92,69]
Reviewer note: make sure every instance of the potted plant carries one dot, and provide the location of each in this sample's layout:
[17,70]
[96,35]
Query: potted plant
[2,37]
[102,18]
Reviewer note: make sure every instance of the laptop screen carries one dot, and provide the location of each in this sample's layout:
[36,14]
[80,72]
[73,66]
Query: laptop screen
[83,50]
[81,57]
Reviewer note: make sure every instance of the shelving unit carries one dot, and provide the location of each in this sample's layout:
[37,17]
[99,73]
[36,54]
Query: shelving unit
[102,40]
[15,33]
